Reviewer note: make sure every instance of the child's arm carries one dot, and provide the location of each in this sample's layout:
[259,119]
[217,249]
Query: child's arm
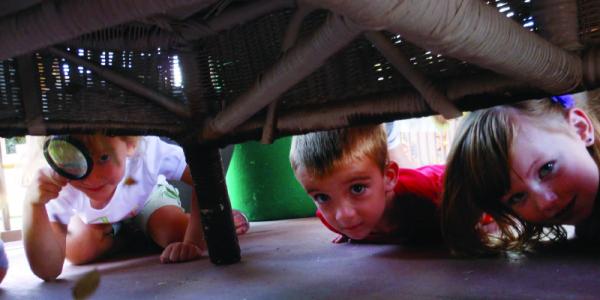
[44,241]
[193,243]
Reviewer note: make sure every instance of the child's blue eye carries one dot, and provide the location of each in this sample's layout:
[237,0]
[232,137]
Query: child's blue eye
[546,169]
[516,199]
[357,188]
[104,158]
[320,198]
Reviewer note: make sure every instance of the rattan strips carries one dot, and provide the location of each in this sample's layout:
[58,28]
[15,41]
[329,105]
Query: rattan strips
[214,72]
[253,53]
[294,56]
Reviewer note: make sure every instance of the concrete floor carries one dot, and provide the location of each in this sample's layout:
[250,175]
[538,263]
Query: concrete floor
[294,259]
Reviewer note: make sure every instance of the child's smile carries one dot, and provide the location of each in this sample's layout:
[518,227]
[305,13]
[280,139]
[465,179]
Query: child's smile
[566,214]
[554,179]
[109,157]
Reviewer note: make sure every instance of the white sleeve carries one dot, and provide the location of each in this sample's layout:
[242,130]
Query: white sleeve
[164,158]
[59,209]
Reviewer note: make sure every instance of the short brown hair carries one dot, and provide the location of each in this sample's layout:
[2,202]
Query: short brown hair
[321,152]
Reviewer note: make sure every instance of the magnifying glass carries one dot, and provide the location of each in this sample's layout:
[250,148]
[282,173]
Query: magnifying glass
[68,157]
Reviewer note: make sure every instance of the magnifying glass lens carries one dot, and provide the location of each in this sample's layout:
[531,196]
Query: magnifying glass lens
[67,159]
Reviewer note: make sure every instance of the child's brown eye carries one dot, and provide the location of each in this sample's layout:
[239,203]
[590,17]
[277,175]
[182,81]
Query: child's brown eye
[515,199]
[320,198]
[357,188]
[546,169]
[104,158]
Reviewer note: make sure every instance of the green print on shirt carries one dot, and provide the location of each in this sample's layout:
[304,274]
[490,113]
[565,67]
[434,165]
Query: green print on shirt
[100,220]
[170,192]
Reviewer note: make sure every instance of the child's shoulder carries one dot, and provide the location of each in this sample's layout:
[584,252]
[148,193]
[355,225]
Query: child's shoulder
[425,182]
[152,144]
[157,156]
[428,172]
[154,148]
[431,169]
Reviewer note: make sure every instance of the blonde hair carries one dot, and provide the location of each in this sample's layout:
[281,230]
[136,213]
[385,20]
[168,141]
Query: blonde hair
[35,157]
[94,141]
[478,175]
[321,152]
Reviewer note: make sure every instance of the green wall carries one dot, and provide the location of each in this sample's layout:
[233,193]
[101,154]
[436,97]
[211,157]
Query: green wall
[262,185]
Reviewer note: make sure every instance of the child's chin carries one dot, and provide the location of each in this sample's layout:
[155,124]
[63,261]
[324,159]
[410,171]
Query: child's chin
[356,235]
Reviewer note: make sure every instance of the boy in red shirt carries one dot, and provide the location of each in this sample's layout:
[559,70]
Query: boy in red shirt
[362,195]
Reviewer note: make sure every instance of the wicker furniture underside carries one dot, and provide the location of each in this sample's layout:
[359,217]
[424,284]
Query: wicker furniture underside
[210,73]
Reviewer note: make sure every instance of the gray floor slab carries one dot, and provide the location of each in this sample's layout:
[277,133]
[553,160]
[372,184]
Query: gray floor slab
[294,259]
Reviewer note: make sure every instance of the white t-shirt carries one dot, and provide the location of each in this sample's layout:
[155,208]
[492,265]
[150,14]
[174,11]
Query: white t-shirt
[395,128]
[154,161]
[391,129]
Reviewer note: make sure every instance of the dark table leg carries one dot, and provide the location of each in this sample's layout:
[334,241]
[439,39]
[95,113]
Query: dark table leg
[213,199]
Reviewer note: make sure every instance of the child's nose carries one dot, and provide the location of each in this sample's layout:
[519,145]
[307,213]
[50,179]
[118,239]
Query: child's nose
[547,202]
[345,213]
[93,176]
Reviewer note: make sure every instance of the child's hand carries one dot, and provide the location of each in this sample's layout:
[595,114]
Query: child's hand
[488,225]
[45,187]
[241,222]
[340,239]
[180,252]
[490,229]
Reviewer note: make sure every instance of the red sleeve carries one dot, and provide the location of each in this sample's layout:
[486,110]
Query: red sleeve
[320,216]
[425,182]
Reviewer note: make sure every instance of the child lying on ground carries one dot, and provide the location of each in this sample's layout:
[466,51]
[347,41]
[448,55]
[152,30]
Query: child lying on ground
[79,219]
[362,195]
[533,166]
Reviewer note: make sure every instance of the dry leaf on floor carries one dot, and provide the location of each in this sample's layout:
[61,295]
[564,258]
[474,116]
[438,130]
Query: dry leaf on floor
[86,285]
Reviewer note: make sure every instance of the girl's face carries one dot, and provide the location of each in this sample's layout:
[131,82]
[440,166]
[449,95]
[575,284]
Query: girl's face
[353,197]
[553,178]
[109,155]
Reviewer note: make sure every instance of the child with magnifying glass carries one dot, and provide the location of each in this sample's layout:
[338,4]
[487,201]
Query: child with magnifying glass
[97,183]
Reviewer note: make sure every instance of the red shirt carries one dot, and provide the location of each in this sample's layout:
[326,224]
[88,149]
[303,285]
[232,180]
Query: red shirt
[424,182]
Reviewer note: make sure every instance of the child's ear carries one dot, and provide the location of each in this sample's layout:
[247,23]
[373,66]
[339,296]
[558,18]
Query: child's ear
[390,174]
[582,124]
